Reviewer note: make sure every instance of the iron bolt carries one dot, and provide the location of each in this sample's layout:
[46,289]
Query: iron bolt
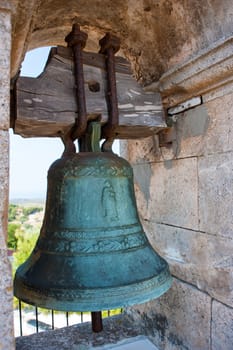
[109,41]
[76,36]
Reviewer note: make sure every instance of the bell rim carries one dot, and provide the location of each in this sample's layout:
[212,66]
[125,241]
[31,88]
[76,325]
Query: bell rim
[95,299]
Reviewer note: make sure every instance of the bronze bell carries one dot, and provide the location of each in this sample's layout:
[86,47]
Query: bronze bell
[92,253]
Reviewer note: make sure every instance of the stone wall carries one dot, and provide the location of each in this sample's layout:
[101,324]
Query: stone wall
[184,194]
[6,312]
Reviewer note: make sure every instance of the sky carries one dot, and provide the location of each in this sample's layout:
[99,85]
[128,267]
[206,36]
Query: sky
[30,158]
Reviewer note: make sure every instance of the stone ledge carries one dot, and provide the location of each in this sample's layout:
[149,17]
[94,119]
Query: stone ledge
[179,320]
[116,329]
[136,343]
[208,70]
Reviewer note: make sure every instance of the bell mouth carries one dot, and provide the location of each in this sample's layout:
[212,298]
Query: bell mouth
[84,300]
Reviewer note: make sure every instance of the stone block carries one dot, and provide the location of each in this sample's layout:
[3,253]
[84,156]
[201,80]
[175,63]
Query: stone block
[203,130]
[4,185]
[191,129]
[6,302]
[5,80]
[220,133]
[143,150]
[4,62]
[5,111]
[123,148]
[178,320]
[222,327]
[190,132]
[173,192]
[5,48]
[5,30]
[142,178]
[195,257]
[4,98]
[215,194]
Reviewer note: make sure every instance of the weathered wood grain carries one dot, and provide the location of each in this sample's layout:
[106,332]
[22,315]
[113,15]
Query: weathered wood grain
[46,105]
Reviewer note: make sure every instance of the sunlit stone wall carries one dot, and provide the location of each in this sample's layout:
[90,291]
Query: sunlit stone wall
[185,198]
[6,312]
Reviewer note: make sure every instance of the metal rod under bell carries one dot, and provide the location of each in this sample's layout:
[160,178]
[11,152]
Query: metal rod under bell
[96,319]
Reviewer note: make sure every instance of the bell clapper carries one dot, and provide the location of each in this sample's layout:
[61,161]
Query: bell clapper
[96,320]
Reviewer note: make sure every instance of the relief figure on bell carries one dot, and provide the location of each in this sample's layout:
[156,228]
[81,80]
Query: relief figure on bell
[108,201]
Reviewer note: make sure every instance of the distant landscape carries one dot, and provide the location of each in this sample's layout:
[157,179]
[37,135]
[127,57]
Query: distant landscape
[24,222]
[28,201]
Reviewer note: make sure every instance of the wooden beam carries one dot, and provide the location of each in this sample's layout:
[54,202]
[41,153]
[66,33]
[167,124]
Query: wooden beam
[46,105]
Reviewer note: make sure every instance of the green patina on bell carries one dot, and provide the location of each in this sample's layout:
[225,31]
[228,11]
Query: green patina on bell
[92,253]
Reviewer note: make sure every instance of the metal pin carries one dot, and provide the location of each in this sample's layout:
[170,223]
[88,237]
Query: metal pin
[20,318]
[96,319]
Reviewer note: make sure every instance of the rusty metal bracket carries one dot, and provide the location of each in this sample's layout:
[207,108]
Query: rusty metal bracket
[110,44]
[168,135]
[69,145]
[76,39]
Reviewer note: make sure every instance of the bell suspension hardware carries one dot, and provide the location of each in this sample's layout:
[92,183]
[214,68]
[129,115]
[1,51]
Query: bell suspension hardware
[77,41]
[110,44]
[92,253]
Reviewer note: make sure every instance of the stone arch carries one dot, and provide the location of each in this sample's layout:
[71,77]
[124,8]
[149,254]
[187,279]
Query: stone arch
[155,35]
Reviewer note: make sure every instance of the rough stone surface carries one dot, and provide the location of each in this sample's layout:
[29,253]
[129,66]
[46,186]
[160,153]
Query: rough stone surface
[5,41]
[143,150]
[135,343]
[4,173]
[198,258]
[8,5]
[6,298]
[204,130]
[220,132]
[6,294]
[5,99]
[80,337]
[222,327]
[191,129]
[190,134]
[175,29]
[180,319]
[209,70]
[215,194]
[173,192]
[5,47]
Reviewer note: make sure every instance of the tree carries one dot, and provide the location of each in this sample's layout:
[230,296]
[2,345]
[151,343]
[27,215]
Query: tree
[12,239]
[26,240]
[12,212]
